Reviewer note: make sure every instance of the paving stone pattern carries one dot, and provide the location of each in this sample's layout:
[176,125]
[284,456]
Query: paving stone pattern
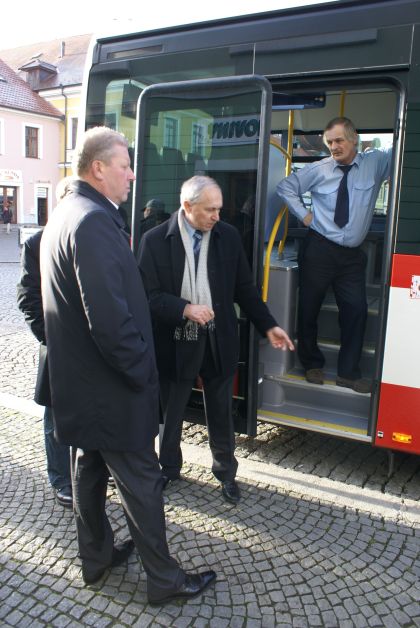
[283,557]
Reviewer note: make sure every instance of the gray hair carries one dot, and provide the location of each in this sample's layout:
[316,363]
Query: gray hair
[63,187]
[192,189]
[350,132]
[96,143]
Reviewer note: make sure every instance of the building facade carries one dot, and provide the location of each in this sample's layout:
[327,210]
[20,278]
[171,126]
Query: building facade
[39,111]
[29,150]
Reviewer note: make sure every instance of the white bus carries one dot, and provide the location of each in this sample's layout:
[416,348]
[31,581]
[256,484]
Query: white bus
[245,100]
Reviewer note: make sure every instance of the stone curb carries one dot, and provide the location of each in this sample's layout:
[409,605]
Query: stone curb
[322,489]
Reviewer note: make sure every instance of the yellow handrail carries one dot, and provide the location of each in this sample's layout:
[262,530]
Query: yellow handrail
[290,141]
[283,211]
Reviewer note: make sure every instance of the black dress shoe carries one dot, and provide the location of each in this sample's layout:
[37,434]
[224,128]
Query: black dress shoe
[120,554]
[194,584]
[231,492]
[167,481]
[64,496]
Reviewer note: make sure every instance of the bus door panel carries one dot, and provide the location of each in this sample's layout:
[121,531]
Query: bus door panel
[219,128]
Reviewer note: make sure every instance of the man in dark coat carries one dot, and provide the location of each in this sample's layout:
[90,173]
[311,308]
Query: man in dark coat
[29,301]
[154,214]
[103,374]
[194,269]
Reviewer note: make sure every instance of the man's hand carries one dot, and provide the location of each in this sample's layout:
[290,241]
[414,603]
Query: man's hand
[200,314]
[279,339]
[308,219]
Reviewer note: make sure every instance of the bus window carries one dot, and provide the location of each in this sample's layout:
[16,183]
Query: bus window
[111,99]
[219,128]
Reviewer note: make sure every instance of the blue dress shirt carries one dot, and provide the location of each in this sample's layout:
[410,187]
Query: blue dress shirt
[322,179]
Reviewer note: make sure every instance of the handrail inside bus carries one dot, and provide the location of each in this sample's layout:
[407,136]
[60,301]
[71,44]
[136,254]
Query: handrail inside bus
[283,211]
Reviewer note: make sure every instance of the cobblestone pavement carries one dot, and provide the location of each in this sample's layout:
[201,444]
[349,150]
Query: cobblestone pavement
[322,536]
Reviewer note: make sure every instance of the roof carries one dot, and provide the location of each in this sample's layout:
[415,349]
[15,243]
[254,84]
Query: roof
[15,93]
[70,65]
[38,63]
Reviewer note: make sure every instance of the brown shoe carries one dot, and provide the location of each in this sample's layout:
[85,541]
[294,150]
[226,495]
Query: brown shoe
[361,385]
[314,376]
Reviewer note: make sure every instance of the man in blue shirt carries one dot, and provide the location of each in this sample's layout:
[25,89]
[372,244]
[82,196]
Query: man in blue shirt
[331,253]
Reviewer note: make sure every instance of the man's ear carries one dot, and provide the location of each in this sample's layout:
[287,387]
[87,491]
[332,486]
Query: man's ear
[97,169]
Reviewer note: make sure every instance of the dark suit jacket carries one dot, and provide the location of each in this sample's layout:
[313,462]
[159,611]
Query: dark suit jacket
[103,373]
[161,261]
[29,301]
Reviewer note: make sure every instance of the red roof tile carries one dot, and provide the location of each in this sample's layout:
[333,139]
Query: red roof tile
[15,93]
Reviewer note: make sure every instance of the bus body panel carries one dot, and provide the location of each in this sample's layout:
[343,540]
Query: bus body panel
[367,48]
[398,425]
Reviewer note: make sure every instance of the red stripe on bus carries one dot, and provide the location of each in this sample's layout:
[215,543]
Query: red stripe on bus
[398,418]
[403,269]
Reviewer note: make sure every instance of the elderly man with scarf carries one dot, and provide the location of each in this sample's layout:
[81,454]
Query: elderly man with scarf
[194,269]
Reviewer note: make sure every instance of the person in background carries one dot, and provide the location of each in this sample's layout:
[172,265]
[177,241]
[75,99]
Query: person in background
[344,188]
[103,377]
[154,214]
[194,270]
[7,214]
[29,300]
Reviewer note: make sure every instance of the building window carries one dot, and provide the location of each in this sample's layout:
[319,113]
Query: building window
[197,139]
[32,142]
[111,121]
[170,133]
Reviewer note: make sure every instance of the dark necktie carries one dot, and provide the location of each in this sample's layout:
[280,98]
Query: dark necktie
[341,215]
[196,245]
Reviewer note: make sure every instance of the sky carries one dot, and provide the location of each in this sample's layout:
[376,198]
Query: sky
[48,20]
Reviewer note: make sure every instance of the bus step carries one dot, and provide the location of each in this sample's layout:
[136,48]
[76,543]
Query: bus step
[330,350]
[329,329]
[317,420]
[278,392]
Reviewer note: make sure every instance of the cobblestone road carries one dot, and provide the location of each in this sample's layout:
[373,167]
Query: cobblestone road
[322,536]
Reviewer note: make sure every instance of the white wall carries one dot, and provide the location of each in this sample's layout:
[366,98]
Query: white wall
[28,174]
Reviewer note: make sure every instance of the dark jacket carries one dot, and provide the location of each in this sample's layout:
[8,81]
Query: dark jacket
[100,345]
[29,300]
[161,261]
[7,216]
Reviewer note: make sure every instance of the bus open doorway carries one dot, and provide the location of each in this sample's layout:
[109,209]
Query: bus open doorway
[285,396]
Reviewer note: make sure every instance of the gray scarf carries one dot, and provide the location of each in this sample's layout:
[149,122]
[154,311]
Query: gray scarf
[195,286]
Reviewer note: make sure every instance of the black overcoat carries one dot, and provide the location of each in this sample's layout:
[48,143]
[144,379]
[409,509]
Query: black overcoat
[103,373]
[29,301]
[161,260]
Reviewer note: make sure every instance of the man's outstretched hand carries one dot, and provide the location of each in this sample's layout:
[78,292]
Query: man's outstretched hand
[279,339]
